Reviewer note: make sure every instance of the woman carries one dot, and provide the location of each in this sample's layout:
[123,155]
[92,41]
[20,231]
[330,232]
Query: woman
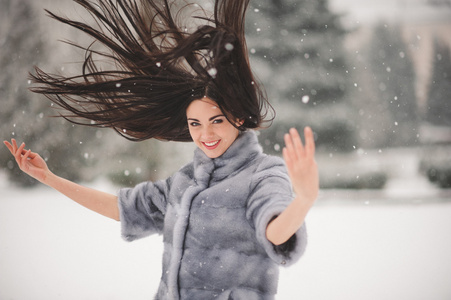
[229,217]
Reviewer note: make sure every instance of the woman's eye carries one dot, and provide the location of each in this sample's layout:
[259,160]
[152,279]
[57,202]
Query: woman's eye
[194,124]
[217,121]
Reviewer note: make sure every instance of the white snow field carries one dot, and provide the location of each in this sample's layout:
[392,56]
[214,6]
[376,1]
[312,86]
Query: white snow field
[360,247]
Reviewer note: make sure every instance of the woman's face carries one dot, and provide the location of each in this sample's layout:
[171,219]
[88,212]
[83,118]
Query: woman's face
[209,128]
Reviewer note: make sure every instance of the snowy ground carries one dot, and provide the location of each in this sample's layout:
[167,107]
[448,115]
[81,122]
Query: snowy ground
[361,246]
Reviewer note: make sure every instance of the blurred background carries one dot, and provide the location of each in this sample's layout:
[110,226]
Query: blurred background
[373,80]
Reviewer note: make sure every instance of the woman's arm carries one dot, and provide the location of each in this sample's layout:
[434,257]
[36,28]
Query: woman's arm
[303,172]
[33,164]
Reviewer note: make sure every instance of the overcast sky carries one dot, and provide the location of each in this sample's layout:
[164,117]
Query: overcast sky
[364,11]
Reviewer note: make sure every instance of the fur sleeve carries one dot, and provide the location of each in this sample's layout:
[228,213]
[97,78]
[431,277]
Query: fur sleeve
[270,194]
[142,209]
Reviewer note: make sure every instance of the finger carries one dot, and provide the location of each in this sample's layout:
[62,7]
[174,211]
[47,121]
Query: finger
[289,145]
[32,154]
[18,152]
[297,142]
[9,146]
[309,141]
[286,156]
[288,160]
[25,157]
[14,145]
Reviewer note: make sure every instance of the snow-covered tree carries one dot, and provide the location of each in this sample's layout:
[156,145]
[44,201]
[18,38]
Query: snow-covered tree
[296,48]
[393,79]
[26,116]
[74,152]
[439,98]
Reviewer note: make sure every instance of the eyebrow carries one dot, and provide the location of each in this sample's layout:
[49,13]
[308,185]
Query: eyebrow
[212,118]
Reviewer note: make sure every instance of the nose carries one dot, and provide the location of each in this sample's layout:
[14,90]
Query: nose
[207,133]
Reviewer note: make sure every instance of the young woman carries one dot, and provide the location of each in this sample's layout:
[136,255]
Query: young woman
[229,218]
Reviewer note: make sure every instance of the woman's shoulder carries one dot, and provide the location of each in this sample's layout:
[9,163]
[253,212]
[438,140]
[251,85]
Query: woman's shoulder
[268,166]
[266,162]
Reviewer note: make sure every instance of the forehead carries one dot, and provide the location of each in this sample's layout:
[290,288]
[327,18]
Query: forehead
[204,106]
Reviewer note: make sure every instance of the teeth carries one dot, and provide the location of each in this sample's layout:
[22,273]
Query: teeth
[211,144]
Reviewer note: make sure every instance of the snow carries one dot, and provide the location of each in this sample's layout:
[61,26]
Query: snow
[360,247]
[374,252]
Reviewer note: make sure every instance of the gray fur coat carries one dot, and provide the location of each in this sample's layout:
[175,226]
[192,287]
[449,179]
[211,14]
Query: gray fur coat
[213,215]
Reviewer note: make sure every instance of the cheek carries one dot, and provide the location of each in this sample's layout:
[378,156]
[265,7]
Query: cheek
[196,136]
[232,134]
[193,135]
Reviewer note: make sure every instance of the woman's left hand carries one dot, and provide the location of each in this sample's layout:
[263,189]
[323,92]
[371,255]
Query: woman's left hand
[301,164]
[303,172]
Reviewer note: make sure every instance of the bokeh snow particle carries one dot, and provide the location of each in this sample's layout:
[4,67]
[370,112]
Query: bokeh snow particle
[305,99]
[229,47]
[213,72]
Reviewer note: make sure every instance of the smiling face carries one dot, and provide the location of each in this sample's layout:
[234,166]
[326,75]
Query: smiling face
[209,128]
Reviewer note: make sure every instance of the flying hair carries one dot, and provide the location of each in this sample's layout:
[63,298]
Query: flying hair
[161,55]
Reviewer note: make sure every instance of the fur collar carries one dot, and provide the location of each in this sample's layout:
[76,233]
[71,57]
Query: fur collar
[241,152]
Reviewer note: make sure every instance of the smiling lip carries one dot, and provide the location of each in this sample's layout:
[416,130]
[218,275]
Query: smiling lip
[211,145]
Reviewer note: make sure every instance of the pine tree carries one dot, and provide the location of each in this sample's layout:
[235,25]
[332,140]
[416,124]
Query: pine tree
[24,115]
[439,98]
[394,78]
[296,48]
[78,153]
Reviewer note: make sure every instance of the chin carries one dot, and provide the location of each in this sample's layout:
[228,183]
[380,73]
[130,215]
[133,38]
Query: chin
[212,155]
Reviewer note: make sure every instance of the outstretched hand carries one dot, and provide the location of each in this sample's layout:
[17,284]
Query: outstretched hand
[29,162]
[301,164]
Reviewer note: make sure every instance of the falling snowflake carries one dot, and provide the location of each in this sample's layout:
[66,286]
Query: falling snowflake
[229,47]
[213,72]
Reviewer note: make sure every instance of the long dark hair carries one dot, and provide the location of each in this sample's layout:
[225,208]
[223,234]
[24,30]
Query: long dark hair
[160,67]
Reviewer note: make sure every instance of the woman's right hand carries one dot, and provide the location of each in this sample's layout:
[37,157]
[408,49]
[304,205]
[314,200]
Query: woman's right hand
[29,162]
[32,164]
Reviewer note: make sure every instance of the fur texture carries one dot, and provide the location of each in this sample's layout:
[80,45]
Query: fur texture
[213,215]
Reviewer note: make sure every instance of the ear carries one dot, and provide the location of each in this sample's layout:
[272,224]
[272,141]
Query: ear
[239,122]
